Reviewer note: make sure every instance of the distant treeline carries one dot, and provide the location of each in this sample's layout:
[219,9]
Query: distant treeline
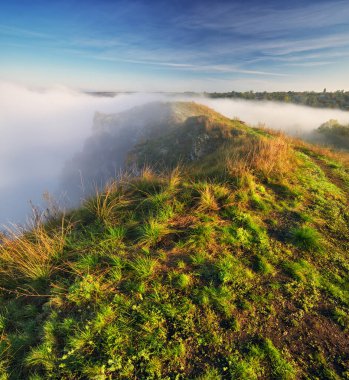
[337,99]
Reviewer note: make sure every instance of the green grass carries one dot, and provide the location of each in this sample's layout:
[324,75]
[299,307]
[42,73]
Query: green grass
[143,267]
[220,270]
[152,231]
[306,238]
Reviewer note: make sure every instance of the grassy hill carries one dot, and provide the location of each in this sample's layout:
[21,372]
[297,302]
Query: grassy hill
[225,257]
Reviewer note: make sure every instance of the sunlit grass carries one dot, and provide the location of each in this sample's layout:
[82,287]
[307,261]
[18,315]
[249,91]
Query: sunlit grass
[32,254]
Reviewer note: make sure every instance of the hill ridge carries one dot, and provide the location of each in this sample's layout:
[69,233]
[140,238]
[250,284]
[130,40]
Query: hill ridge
[232,265]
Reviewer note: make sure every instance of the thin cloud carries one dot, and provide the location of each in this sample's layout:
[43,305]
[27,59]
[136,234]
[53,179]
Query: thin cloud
[26,33]
[312,64]
[264,19]
[191,67]
[284,47]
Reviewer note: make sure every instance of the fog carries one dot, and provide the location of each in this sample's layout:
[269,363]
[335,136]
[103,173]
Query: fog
[41,130]
[290,118]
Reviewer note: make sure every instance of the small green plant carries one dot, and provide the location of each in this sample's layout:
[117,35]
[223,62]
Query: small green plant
[143,267]
[198,258]
[41,356]
[85,290]
[281,369]
[230,270]
[263,266]
[183,280]
[152,231]
[306,238]
[303,271]
[341,317]
[210,374]
[202,235]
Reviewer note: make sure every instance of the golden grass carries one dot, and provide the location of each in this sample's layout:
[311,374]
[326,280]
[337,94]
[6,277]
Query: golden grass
[31,255]
[105,204]
[174,178]
[267,156]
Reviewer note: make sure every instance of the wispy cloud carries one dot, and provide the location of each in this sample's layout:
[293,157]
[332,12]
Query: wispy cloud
[100,43]
[265,18]
[220,39]
[311,64]
[283,47]
[214,68]
[20,32]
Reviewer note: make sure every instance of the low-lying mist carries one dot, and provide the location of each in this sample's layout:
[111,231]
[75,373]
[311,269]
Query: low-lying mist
[292,119]
[41,130]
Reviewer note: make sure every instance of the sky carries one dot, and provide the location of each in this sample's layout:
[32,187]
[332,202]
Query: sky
[176,45]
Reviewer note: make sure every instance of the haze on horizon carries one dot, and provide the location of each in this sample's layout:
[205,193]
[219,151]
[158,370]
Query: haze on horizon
[43,130]
[153,45]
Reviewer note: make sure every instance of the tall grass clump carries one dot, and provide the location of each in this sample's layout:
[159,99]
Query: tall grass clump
[107,203]
[152,231]
[143,267]
[270,157]
[207,201]
[174,179]
[31,255]
[306,238]
[148,182]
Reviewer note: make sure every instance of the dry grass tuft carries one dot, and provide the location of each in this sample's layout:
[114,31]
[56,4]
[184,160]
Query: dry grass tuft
[174,178]
[106,204]
[31,255]
[267,156]
[207,201]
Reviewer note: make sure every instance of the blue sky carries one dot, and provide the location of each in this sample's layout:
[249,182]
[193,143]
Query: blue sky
[176,45]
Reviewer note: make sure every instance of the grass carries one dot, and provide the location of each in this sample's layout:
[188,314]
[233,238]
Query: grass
[32,255]
[143,267]
[223,269]
[106,204]
[152,231]
[270,157]
[306,238]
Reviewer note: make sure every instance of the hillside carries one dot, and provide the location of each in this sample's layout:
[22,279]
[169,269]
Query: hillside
[221,254]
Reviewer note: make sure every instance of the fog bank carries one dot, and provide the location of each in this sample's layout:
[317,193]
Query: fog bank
[290,118]
[42,130]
